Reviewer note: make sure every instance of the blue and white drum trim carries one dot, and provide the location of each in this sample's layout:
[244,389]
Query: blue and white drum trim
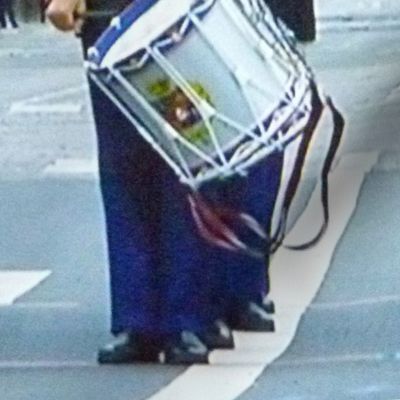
[239,87]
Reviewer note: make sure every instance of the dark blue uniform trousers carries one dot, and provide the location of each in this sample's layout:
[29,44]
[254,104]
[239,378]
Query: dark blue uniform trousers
[237,278]
[164,277]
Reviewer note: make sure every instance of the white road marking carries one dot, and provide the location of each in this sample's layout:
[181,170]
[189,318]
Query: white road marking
[367,24]
[72,364]
[76,167]
[58,305]
[356,303]
[54,94]
[296,278]
[19,51]
[58,108]
[50,103]
[340,359]
[47,364]
[14,284]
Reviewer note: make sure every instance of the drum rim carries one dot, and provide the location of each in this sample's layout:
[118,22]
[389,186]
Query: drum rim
[197,177]
[204,172]
[122,22]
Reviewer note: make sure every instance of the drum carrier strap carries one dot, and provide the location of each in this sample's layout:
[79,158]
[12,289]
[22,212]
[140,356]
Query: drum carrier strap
[223,227]
[336,138]
[217,224]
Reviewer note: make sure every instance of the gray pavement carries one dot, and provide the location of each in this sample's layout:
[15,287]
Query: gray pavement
[348,342]
[49,338]
[347,346]
[350,10]
[44,108]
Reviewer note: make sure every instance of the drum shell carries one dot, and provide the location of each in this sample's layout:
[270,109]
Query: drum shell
[241,88]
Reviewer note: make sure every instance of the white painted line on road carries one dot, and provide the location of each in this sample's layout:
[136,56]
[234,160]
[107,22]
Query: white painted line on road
[52,102]
[58,108]
[338,359]
[51,364]
[57,305]
[54,94]
[14,284]
[368,25]
[19,51]
[47,364]
[298,275]
[356,303]
[72,167]
[296,278]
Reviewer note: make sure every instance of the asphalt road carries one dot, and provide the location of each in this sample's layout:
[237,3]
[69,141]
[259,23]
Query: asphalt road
[347,346]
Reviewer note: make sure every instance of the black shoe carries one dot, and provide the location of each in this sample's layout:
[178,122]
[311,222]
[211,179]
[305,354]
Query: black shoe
[129,348]
[185,349]
[268,306]
[252,317]
[217,336]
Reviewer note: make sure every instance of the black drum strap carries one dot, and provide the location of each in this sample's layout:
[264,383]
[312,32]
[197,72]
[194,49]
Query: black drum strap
[222,227]
[337,134]
[336,138]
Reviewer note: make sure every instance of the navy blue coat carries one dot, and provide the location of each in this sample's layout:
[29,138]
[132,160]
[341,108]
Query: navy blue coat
[164,276]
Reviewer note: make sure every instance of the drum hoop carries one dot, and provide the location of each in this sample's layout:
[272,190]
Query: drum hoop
[124,21]
[292,108]
[277,142]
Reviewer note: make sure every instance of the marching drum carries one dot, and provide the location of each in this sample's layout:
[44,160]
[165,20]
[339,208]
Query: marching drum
[202,86]
[213,85]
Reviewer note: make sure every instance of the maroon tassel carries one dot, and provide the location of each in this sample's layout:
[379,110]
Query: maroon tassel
[214,225]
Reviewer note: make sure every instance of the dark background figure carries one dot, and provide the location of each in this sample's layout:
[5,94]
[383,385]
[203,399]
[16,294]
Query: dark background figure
[3,21]
[7,11]
[42,7]
[298,15]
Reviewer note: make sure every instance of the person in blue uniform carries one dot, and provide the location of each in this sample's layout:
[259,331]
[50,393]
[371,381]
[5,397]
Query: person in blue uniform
[241,282]
[171,292]
[158,279]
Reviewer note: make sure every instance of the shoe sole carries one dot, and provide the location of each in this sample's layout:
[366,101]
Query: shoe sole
[268,326]
[269,308]
[180,359]
[222,345]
